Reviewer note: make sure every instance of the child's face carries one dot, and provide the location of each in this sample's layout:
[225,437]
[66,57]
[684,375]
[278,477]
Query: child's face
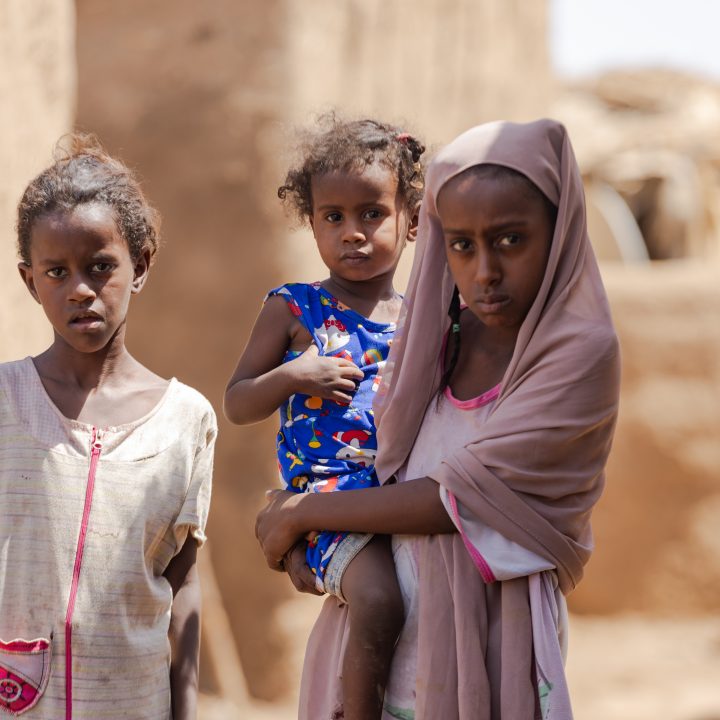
[82,274]
[359,222]
[497,238]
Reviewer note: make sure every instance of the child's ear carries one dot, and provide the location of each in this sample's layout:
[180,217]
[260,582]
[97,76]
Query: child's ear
[141,271]
[26,273]
[413,226]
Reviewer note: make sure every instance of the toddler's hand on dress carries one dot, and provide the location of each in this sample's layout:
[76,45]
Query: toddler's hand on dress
[297,568]
[332,378]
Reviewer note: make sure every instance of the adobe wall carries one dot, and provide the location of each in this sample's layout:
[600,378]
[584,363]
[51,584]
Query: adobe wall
[37,92]
[656,526]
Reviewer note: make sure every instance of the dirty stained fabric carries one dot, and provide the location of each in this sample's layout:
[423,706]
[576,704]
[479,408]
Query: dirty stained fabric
[152,486]
[532,473]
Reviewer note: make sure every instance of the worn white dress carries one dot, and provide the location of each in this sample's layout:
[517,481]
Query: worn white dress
[89,520]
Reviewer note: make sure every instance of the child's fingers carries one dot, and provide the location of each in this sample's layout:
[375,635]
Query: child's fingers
[341,397]
[344,384]
[345,363]
[353,371]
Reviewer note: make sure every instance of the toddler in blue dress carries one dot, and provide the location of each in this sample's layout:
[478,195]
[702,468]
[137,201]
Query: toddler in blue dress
[316,353]
[323,445]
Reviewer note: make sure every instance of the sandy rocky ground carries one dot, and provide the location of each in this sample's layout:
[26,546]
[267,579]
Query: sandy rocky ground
[626,667]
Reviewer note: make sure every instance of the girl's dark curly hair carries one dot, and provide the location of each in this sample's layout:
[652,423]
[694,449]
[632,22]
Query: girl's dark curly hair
[342,145]
[85,173]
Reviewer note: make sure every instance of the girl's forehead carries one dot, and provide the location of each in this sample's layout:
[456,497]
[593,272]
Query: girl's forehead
[83,227]
[373,178]
[373,172]
[94,217]
[481,181]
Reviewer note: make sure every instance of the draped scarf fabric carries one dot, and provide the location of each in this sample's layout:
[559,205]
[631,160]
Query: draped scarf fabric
[536,468]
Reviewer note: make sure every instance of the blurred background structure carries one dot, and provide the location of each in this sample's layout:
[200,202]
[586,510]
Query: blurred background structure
[201,99]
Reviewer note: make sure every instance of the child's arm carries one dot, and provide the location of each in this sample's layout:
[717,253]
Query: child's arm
[262,382]
[408,508]
[184,631]
[295,565]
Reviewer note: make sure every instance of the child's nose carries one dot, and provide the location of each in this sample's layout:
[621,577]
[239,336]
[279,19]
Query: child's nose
[352,233]
[81,290]
[487,268]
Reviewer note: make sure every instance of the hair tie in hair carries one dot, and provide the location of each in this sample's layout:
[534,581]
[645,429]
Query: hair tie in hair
[403,138]
[456,327]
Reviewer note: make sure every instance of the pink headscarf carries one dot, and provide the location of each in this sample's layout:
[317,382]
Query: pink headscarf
[536,470]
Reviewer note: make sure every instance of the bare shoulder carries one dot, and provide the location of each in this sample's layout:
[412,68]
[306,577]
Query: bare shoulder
[277,319]
[143,381]
[276,311]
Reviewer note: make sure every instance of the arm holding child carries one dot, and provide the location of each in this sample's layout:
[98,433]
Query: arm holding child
[412,507]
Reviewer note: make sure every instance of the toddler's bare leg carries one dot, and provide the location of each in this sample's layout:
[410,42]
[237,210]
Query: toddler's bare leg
[375,605]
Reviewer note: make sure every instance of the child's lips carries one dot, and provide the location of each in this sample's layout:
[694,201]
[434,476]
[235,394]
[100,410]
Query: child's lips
[356,258]
[491,304]
[87,320]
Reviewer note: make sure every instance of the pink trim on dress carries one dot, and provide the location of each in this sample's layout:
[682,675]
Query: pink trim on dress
[96,448]
[471,403]
[476,402]
[485,571]
[25,646]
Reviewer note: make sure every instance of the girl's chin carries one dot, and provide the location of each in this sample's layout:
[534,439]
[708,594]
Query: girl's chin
[498,321]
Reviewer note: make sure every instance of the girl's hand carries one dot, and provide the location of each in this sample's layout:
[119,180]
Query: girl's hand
[332,378]
[275,527]
[298,570]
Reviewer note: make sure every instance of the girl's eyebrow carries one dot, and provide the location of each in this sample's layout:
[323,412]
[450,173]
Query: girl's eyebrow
[502,225]
[339,206]
[101,256]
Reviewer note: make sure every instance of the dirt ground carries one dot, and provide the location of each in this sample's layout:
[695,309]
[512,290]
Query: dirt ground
[626,667]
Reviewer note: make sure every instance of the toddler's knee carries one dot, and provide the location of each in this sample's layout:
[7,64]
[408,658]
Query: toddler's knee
[378,606]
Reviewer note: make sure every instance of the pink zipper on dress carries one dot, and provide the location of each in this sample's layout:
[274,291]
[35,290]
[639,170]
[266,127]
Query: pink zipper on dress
[95,450]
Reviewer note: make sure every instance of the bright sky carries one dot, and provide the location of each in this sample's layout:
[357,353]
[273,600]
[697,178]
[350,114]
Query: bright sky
[590,36]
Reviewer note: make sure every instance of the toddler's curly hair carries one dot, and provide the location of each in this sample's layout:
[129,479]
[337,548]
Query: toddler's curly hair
[347,145]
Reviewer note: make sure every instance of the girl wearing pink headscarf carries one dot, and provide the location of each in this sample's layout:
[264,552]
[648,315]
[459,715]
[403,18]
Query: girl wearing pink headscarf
[494,426]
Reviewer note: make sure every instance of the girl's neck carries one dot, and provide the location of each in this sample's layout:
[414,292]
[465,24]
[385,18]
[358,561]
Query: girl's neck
[87,371]
[374,299]
[499,340]
[375,290]
[495,340]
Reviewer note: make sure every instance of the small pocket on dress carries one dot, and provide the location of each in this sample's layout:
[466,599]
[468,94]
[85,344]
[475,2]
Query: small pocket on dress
[24,673]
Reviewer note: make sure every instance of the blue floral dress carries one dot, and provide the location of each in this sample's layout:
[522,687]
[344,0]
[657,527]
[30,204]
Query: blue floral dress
[323,445]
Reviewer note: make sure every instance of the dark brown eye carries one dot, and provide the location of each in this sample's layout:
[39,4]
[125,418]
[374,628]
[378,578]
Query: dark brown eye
[102,268]
[460,244]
